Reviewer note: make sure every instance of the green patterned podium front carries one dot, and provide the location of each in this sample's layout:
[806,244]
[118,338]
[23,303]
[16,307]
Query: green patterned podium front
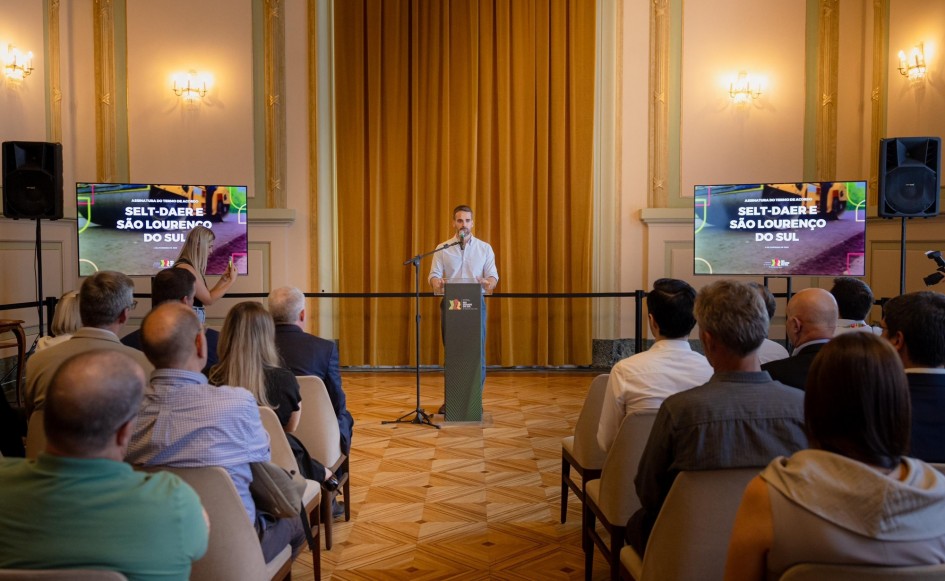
[462,340]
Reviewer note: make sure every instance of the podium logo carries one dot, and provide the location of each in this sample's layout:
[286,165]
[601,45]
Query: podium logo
[456,305]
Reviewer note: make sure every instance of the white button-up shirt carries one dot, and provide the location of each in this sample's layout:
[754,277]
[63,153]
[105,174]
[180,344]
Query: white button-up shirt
[475,261]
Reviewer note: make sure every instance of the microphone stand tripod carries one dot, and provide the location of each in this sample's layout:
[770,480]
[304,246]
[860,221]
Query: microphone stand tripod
[417,415]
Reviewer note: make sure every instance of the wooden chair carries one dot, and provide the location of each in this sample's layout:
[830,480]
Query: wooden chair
[819,572]
[689,541]
[581,450]
[612,498]
[282,456]
[60,575]
[35,435]
[233,552]
[319,433]
[15,326]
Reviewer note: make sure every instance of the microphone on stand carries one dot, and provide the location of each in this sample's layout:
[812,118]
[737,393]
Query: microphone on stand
[462,240]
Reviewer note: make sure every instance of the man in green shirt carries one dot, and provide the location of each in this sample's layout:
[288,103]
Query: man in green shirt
[79,506]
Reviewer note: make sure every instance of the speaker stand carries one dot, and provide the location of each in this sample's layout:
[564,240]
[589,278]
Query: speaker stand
[902,258]
[39,275]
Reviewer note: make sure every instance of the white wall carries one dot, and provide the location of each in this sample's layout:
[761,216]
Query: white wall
[173,142]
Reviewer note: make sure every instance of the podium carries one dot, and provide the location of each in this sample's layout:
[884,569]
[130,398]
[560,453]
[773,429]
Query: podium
[462,316]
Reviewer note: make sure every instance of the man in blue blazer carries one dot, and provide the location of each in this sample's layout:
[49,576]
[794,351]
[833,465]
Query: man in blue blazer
[306,354]
[915,325]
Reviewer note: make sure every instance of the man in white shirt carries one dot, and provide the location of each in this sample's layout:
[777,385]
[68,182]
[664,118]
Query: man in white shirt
[466,257]
[469,257]
[642,381]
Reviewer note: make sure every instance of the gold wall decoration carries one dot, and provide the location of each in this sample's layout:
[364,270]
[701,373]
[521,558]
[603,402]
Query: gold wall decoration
[274,82]
[106,156]
[53,55]
[827,83]
[659,108]
[312,17]
[878,88]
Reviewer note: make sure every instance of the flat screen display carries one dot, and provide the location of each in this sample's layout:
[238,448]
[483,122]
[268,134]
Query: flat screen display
[138,229]
[781,229]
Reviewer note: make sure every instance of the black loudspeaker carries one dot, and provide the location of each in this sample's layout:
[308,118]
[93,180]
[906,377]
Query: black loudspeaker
[32,180]
[908,177]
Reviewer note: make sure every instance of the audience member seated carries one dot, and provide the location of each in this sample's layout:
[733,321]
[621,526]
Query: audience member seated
[739,419]
[769,350]
[915,326]
[12,429]
[306,354]
[178,285]
[79,506]
[854,301]
[248,358]
[66,321]
[642,381]
[811,321]
[105,299]
[185,422]
[854,498]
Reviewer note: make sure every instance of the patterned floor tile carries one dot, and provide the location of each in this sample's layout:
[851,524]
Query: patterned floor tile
[465,502]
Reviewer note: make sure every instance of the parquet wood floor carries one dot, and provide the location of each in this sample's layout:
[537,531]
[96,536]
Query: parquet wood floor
[465,502]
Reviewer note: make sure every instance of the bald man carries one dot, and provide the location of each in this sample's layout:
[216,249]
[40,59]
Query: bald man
[79,506]
[811,321]
[186,422]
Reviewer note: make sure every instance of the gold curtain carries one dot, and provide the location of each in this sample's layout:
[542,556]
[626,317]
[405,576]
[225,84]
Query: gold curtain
[482,102]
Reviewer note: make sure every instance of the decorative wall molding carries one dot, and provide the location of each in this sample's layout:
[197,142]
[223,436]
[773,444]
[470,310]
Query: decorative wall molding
[274,91]
[660,43]
[666,216]
[827,84]
[878,87]
[312,56]
[53,58]
[271,216]
[106,155]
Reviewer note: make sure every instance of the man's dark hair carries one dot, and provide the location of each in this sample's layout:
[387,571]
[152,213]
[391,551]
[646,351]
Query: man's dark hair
[671,302]
[920,317]
[91,395]
[172,284]
[103,297]
[461,208]
[854,297]
[771,304]
[856,400]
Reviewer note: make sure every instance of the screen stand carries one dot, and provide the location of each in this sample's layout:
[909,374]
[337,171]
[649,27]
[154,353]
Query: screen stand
[902,258]
[39,277]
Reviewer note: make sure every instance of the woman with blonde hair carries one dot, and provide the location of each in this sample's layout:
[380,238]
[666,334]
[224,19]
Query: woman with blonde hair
[193,257]
[248,358]
[66,321]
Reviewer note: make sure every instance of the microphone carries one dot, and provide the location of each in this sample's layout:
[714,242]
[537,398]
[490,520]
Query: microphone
[462,239]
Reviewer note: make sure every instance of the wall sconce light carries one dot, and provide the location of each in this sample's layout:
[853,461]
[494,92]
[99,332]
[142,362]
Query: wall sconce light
[190,86]
[913,68]
[743,90]
[17,66]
